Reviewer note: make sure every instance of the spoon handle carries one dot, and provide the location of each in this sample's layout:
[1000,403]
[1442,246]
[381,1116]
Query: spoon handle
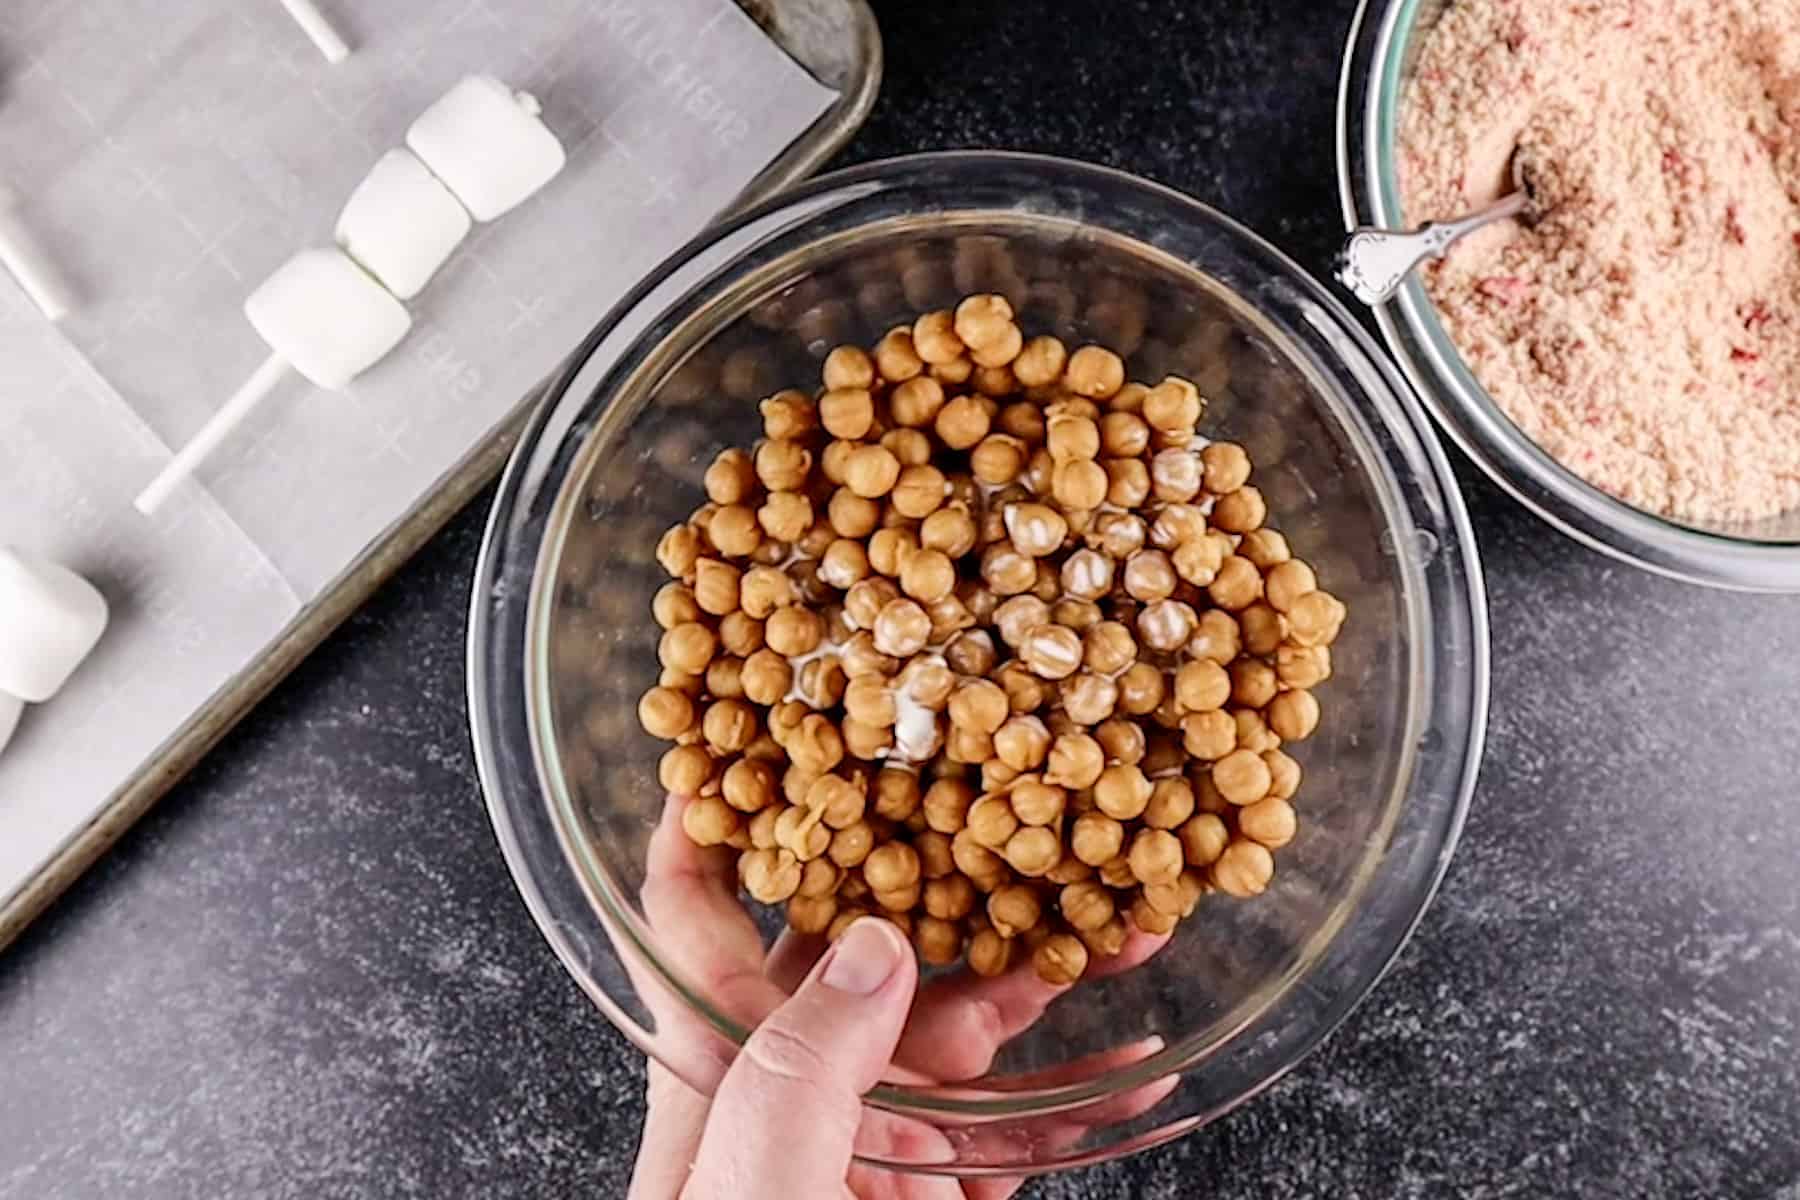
[1375,262]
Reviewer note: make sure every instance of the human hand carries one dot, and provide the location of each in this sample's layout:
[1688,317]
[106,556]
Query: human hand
[785,1113]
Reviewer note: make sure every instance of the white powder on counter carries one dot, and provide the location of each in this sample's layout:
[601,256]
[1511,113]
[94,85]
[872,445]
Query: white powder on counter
[1646,331]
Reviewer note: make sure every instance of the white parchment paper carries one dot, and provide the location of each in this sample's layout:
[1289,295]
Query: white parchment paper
[170,156]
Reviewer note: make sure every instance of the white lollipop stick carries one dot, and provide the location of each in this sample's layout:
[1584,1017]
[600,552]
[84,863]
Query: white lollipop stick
[21,255]
[312,22]
[261,382]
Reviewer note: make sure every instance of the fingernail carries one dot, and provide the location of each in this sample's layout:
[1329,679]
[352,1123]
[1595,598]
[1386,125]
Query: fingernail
[864,958]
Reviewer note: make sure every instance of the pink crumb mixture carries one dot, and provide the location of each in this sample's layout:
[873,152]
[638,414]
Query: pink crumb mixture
[1646,330]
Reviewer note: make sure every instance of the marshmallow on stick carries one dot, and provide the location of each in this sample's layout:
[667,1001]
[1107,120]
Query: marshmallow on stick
[486,143]
[323,316]
[11,709]
[317,27]
[50,620]
[332,314]
[23,256]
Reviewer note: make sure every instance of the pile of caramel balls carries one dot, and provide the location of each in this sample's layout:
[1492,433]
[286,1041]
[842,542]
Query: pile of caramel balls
[988,641]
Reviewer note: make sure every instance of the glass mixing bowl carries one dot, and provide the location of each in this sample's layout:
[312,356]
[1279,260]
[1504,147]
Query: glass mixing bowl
[562,643]
[1385,41]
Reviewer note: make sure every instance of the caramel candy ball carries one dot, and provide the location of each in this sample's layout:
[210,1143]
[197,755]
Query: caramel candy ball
[1151,920]
[1149,575]
[678,550]
[1216,638]
[972,653]
[1171,803]
[998,459]
[1270,821]
[946,804]
[934,338]
[1051,651]
[716,586]
[1035,529]
[1243,869]
[1022,742]
[1086,906]
[949,899]
[1087,574]
[1122,792]
[979,705]
[1089,698]
[665,712]
[1069,436]
[811,914]
[674,605]
[1173,404]
[1253,683]
[1121,739]
[848,367]
[1209,735]
[992,822]
[1033,850]
[1094,372]
[770,876]
[1226,467]
[847,413]
[688,647]
[1155,856]
[731,479]
[891,867]
[1303,666]
[1202,686]
[1203,838]
[1107,940]
[963,422]
[1075,761]
[1141,689]
[981,320]
[1013,909]
[749,786]
[684,769]
[709,821]
[1040,362]
[1124,435]
[782,465]
[1242,777]
[1167,625]
[902,628]
[1060,959]
[851,845]
[1284,774]
[1035,802]
[990,954]
[1315,618]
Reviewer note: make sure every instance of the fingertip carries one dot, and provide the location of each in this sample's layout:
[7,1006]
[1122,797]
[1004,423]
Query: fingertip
[870,956]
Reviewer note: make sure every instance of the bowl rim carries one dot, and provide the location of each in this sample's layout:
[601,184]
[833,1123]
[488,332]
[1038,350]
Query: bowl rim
[494,588]
[1458,403]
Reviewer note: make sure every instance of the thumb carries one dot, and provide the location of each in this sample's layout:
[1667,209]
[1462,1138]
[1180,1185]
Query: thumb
[784,1120]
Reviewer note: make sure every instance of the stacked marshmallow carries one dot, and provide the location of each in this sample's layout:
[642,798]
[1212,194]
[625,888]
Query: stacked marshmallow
[332,314]
[50,620]
[478,152]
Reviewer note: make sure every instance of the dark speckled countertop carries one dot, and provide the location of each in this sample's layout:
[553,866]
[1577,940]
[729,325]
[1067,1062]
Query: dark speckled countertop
[307,973]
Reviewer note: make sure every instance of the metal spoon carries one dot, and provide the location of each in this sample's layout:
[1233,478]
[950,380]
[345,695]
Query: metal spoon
[1375,262]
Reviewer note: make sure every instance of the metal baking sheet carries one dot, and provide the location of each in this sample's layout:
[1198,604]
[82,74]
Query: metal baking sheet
[155,345]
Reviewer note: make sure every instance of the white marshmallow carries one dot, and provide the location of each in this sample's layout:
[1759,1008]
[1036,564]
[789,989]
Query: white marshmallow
[401,224]
[487,145]
[10,709]
[323,314]
[50,619]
